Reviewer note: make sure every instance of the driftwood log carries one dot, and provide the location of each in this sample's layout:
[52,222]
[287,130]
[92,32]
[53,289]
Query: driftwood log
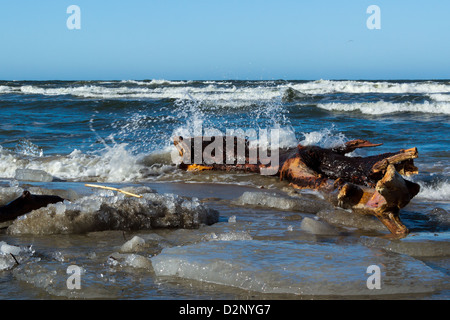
[367,185]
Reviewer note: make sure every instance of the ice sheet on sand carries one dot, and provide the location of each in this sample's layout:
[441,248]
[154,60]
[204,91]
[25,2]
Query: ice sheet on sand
[276,201]
[416,244]
[303,269]
[115,212]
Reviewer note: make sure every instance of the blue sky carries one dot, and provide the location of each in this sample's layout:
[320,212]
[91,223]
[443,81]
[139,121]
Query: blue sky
[227,39]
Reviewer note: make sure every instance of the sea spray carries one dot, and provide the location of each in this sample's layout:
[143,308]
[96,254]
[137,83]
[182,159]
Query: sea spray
[325,138]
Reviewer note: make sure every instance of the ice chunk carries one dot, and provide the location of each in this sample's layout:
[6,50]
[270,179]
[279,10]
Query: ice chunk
[112,212]
[133,245]
[228,236]
[11,255]
[317,227]
[276,201]
[324,269]
[129,260]
[68,194]
[137,261]
[9,194]
[350,219]
[49,278]
[6,262]
[60,208]
[33,175]
[13,183]
[152,237]
[8,249]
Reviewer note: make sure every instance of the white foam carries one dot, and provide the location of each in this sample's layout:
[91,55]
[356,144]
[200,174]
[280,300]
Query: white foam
[440,97]
[113,164]
[227,95]
[5,89]
[325,138]
[439,191]
[157,82]
[382,107]
[330,86]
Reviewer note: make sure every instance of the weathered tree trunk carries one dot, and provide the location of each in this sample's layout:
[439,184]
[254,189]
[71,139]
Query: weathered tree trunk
[368,185]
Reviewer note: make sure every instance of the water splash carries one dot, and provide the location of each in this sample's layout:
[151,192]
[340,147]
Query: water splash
[27,148]
[325,138]
[202,118]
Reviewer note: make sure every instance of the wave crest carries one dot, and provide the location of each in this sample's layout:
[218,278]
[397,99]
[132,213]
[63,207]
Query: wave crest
[382,107]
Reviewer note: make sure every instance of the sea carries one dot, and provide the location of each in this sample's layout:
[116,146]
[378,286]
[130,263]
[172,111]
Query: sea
[210,235]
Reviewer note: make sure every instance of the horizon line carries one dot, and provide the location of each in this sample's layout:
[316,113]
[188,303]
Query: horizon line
[194,79]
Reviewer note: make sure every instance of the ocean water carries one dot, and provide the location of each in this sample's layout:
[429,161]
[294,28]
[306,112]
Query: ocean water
[214,235]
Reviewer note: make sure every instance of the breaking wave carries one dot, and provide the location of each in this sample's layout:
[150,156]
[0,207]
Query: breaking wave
[436,192]
[221,94]
[243,93]
[330,86]
[382,107]
[114,164]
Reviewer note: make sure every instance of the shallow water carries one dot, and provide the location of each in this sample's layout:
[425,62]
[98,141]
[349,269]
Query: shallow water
[211,235]
[252,252]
